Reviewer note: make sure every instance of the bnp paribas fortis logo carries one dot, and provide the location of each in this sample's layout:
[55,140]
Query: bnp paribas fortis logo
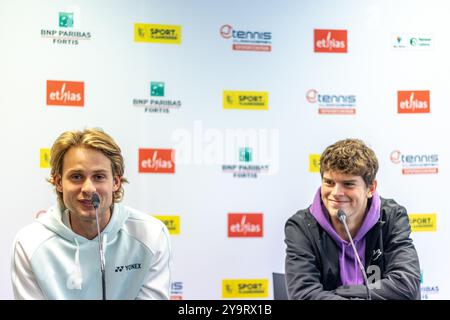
[245,154]
[246,100]
[428,290]
[172,223]
[245,288]
[44,158]
[157,89]
[246,167]
[67,33]
[156,102]
[157,33]
[423,222]
[66,20]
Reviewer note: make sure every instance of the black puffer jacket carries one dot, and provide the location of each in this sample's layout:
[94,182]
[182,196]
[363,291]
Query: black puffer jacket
[312,259]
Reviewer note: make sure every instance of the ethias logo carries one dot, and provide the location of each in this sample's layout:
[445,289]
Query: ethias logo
[156,160]
[330,41]
[413,101]
[65,93]
[245,225]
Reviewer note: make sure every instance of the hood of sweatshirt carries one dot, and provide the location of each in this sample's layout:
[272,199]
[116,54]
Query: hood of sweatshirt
[350,273]
[53,220]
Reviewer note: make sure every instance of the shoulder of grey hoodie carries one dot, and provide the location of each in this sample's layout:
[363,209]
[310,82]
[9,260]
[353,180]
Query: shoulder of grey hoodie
[32,236]
[145,228]
[142,227]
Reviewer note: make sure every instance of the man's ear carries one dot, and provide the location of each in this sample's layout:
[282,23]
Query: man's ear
[117,181]
[372,189]
[58,183]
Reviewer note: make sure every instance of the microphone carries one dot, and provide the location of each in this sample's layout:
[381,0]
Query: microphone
[342,218]
[95,200]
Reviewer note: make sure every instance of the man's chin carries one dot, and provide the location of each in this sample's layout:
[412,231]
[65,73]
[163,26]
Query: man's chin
[337,206]
[86,213]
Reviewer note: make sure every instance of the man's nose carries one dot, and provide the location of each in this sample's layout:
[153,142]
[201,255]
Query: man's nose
[88,187]
[338,189]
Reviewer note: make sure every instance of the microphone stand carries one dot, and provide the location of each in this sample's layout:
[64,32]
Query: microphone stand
[342,218]
[96,203]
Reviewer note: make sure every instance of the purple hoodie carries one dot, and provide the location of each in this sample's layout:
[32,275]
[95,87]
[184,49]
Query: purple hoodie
[349,270]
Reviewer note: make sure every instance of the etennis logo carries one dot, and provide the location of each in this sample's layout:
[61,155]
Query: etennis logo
[246,40]
[416,163]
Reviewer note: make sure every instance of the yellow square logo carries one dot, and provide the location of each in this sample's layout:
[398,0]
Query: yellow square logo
[245,288]
[246,100]
[423,222]
[157,33]
[44,158]
[314,163]
[172,223]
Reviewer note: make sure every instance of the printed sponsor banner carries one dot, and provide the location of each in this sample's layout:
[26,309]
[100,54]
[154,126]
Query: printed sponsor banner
[44,155]
[176,290]
[156,101]
[419,170]
[413,101]
[66,34]
[251,47]
[245,288]
[156,160]
[416,163]
[172,223]
[245,168]
[65,93]
[245,40]
[248,100]
[245,225]
[332,103]
[330,41]
[157,33]
[412,41]
[423,222]
[314,163]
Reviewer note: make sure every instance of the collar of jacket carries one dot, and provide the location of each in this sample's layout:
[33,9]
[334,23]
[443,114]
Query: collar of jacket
[374,243]
[330,251]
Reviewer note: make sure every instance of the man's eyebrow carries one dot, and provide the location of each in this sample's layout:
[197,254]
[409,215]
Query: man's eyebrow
[82,171]
[101,171]
[74,171]
[346,180]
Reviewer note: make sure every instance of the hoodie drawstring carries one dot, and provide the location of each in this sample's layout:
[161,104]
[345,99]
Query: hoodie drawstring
[75,279]
[104,242]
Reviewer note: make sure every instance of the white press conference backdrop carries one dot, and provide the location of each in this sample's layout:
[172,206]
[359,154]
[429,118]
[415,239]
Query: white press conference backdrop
[244,96]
